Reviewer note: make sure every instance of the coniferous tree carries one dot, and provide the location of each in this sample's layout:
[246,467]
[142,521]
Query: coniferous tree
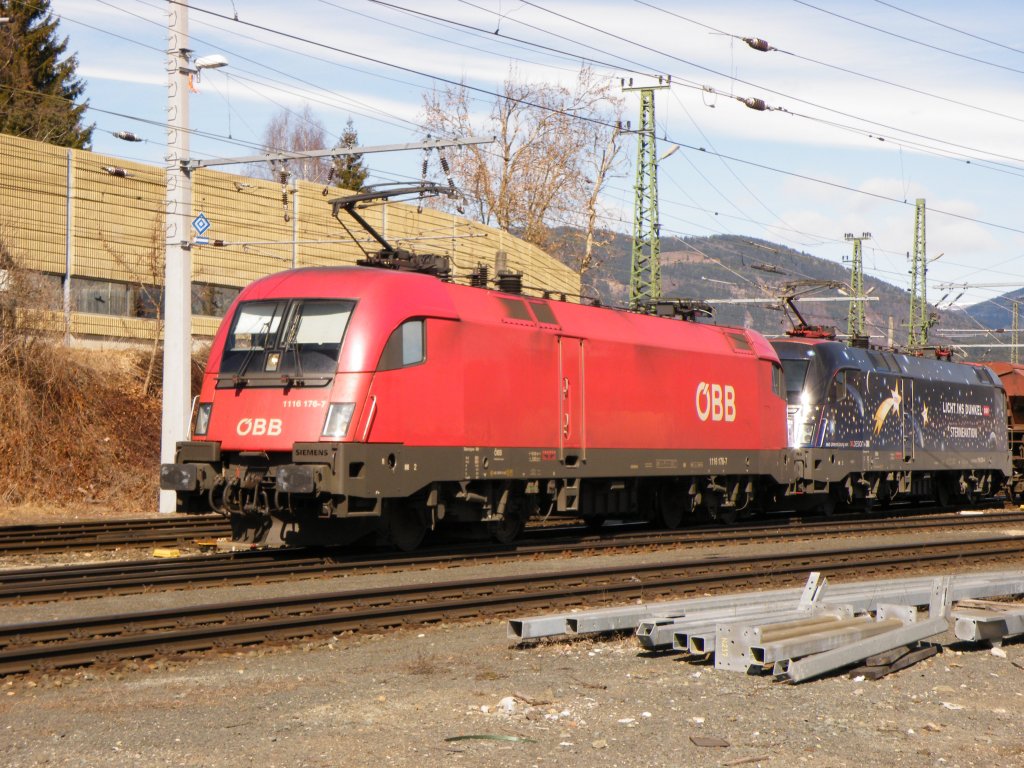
[39,92]
[349,171]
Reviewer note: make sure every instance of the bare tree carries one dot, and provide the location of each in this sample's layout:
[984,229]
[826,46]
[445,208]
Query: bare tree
[556,149]
[289,131]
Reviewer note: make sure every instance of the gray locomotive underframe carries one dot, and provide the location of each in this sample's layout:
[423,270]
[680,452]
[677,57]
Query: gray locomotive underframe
[378,471]
[373,471]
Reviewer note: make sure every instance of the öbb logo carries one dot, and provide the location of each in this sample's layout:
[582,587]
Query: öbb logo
[258,427]
[716,402]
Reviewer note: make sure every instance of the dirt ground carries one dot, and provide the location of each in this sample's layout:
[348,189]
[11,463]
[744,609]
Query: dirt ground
[460,694]
[40,514]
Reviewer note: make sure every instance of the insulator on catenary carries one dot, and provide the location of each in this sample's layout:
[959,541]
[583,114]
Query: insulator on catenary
[757,43]
[753,103]
[330,177]
[127,136]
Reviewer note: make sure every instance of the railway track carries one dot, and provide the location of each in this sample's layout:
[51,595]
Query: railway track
[118,578]
[61,644]
[62,537]
[100,534]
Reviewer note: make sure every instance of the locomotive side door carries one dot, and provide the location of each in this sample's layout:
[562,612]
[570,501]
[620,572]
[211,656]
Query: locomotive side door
[906,391]
[571,401]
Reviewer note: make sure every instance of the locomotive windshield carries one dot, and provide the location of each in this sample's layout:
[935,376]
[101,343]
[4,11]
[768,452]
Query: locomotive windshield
[796,372]
[282,342]
[806,376]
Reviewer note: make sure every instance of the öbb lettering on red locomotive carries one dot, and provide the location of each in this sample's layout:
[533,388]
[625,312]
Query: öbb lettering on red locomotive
[259,427]
[716,402]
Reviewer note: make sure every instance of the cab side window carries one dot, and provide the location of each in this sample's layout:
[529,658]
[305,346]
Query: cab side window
[778,381]
[407,346]
[839,388]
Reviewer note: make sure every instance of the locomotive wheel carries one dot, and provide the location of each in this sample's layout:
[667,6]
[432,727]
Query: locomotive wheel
[883,497]
[943,494]
[671,507]
[1013,494]
[828,506]
[508,529]
[724,515]
[405,527]
[728,516]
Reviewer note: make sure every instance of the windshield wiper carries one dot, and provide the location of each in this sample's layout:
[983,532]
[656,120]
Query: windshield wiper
[239,379]
[299,377]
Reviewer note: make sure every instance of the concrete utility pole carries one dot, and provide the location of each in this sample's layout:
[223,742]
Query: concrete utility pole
[177,377]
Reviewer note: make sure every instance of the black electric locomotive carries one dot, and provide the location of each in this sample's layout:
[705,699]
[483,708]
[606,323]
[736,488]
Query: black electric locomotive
[870,426]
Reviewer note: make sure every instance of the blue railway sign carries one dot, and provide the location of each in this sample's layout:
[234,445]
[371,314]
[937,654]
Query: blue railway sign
[200,223]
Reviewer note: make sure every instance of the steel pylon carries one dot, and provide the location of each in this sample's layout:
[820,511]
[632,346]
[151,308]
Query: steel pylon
[917,333]
[645,272]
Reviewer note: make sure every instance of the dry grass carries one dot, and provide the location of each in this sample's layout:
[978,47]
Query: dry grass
[70,433]
[76,427]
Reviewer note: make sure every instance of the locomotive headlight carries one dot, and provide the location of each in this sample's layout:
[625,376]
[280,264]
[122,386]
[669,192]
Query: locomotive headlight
[338,417]
[203,418]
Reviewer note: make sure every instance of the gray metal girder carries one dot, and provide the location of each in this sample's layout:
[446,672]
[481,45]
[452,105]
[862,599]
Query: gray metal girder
[992,622]
[863,596]
[837,658]
[659,632]
[732,641]
[843,633]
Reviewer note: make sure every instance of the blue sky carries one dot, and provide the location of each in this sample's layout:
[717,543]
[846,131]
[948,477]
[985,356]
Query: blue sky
[875,103]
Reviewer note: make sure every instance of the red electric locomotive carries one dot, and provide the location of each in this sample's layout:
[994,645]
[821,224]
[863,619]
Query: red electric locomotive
[344,401]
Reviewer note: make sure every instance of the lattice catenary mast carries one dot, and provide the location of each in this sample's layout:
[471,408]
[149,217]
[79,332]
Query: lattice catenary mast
[1015,334]
[917,333]
[645,273]
[855,317]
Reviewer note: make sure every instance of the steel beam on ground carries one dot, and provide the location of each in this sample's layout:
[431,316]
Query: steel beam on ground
[905,613]
[992,622]
[775,631]
[843,633]
[658,632]
[733,640]
[618,619]
[704,638]
[862,595]
[837,658]
[535,627]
